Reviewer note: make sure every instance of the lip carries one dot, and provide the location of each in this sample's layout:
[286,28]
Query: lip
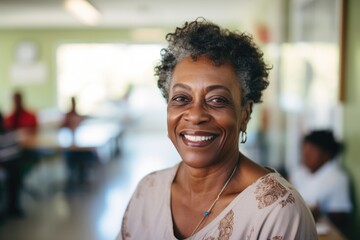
[198,138]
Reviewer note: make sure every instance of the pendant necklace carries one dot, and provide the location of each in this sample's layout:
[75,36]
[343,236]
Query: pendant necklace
[207,213]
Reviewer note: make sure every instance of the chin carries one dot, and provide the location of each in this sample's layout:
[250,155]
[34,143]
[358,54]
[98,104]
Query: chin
[199,160]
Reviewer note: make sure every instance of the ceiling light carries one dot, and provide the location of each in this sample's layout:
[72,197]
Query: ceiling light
[83,10]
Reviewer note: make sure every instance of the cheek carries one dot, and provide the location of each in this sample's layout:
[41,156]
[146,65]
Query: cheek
[173,119]
[310,158]
[229,122]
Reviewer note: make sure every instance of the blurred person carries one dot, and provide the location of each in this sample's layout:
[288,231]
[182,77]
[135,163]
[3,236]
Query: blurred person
[72,118]
[11,162]
[77,161]
[322,181]
[210,78]
[20,117]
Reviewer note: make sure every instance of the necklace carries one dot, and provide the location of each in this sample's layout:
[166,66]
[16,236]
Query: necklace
[207,213]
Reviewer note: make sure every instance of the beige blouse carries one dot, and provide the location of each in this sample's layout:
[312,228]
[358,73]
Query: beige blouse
[270,209]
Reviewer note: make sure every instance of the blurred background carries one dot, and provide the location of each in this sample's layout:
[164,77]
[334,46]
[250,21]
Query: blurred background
[103,52]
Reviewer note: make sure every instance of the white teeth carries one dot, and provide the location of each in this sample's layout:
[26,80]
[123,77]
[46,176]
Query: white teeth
[198,138]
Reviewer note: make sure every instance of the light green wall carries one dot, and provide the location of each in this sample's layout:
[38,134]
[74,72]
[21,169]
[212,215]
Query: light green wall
[39,96]
[352,104]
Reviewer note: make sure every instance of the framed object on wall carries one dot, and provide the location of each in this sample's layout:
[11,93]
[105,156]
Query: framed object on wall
[321,21]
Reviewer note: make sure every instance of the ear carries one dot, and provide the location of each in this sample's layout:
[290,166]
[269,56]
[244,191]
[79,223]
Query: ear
[246,115]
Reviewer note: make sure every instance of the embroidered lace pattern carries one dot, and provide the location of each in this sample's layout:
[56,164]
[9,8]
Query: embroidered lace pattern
[225,227]
[268,191]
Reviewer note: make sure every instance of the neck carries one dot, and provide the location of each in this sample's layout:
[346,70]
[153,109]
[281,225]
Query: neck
[209,211]
[207,181]
[19,109]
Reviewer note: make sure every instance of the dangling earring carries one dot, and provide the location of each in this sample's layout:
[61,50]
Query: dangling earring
[243,137]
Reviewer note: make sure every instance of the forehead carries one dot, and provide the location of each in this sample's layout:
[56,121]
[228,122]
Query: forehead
[311,147]
[204,72]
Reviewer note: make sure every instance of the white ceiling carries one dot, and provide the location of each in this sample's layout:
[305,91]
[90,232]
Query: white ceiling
[131,13]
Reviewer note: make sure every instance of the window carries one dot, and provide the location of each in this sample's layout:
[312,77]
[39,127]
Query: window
[99,73]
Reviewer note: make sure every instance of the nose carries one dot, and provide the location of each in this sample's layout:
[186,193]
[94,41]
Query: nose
[197,113]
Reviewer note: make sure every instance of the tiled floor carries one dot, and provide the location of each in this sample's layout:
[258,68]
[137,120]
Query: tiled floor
[95,211]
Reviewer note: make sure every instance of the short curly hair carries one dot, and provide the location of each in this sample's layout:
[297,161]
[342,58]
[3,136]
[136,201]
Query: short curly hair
[204,38]
[325,140]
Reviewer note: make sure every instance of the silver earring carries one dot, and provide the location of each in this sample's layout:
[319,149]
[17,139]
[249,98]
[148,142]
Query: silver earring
[243,137]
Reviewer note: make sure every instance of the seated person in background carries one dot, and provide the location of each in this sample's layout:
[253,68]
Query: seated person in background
[10,161]
[76,160]
[320,179]
[72,119]
[20,117]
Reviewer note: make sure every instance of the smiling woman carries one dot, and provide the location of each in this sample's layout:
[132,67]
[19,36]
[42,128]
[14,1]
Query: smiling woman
[204,112]
[211,78]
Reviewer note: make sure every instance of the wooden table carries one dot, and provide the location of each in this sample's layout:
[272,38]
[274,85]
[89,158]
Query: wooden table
[92,135]
[327,231]
[93,141]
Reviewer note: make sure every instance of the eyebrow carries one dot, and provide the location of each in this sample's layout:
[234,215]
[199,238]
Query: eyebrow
[181,85]
[215,87]
[208,89]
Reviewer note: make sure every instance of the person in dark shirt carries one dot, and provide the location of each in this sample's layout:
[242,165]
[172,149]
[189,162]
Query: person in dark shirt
[11,163]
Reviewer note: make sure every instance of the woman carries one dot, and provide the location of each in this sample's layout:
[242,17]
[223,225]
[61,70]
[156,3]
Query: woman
[322,181]
[72,118]
[210,78]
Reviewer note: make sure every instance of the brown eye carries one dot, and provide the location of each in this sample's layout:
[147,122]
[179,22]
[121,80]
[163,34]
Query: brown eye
[218,101]
[180,100]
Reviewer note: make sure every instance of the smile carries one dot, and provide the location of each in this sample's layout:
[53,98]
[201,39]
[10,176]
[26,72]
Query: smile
[198,138]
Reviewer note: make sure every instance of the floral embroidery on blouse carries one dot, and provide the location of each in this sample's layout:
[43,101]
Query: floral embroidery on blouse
[251,233]
[277,238]
[289,199]
[268,191]
[225,227]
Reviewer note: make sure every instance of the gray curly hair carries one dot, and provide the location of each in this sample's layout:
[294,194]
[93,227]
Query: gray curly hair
[203,38]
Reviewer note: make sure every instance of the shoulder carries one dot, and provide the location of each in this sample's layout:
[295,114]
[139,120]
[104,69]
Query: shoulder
[277,196]
[9,116]
[159,175]
[155,182]
[282,207]
[272,209]
[30,114]
[335,168]
[332,174]
[272,189]
[150,200]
